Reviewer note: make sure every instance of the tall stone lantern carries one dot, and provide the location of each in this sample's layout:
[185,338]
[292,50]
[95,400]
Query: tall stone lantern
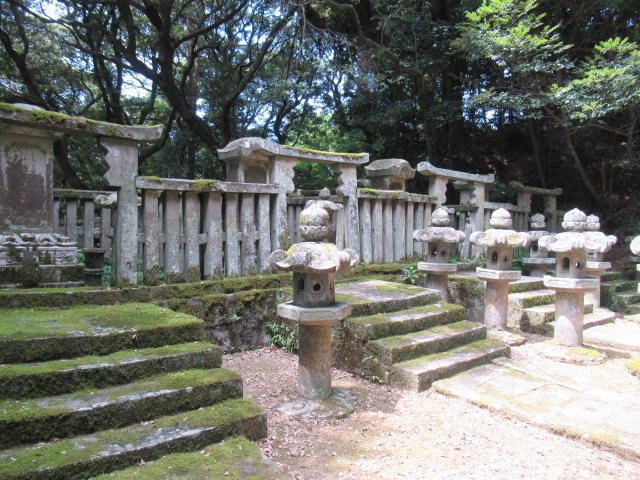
[538,260]
[571,282]
[500,241]
[595,263]
[439,237]
[314,264]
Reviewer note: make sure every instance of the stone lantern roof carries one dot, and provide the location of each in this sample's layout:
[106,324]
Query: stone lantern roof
[313,255]
[500,233]
[575,237]
[439,232]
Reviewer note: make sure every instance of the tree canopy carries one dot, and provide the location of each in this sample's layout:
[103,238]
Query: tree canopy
[540,91]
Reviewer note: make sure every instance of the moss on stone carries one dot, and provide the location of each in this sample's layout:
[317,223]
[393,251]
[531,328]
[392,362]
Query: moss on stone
[633,365]
[152,276]
[8,108]
[372,191]
[201,185]
[331,154]
[152,179]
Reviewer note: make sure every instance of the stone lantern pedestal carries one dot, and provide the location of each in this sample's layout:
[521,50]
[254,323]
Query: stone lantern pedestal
[439,238]
[538,260]
[314,264]
[315,357]
[571,282]
[500,241]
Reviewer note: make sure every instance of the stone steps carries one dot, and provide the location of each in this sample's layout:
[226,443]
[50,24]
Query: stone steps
[108,450]
[57,377]
[401,348]
[234,458]
[102,388]
[379,344]
[418,374]
[520,301]
[630,298]
[36,335]
[405,321]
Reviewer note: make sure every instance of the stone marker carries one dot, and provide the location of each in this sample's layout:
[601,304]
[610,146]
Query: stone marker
[538,260]
[571,282]
[595,265]
[439,237]
[389,173]
[500,241]
[314,264]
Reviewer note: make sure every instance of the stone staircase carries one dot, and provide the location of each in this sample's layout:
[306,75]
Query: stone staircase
[133,388]
[405,336]
[532,309]
[620,295]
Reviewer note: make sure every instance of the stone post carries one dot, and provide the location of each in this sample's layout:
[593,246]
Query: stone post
[347,187]
[539,261]
[571,282]
[595,263]
[500,241]
[439,237]
[314,265]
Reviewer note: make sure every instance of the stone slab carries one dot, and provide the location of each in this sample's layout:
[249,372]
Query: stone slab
[623,334]
[314,315]
[490,274]
[603,417]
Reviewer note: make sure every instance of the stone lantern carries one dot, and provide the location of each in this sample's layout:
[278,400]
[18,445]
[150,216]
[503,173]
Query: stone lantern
[595,265]
[389,173]
[571,282]
[635,249]
[539,261]
[439,237]
[500,241]
[314,264]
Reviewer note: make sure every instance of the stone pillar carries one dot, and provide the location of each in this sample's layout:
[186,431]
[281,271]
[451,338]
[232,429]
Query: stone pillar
[571,282]
[347,187]
[122,159]
[635,249]
[281,173]
[500,241]
[439,237]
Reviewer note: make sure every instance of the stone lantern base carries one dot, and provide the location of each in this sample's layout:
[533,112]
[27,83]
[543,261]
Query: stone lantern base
[569,318]
[315,351]
[438,276]
[497,295]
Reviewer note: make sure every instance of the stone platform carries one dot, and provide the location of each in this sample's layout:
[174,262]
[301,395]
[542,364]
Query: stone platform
[583,407]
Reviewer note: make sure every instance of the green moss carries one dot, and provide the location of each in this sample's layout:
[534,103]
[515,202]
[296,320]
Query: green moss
[30,274]
[193,274]
[331,154]
[153,276]
[396,287]
[633,365]
[175,277]
[202,185]
[49,118]
[372,191]
[153,179]
[7,107]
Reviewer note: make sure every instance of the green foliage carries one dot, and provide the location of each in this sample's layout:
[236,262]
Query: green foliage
[283,335]
[410,274]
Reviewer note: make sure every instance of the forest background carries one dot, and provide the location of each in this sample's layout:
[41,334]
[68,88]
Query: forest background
[546,92]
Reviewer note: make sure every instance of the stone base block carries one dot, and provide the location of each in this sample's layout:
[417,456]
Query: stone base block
[598,266]
[432,268]
[314,316]
[570,284]
[492,275]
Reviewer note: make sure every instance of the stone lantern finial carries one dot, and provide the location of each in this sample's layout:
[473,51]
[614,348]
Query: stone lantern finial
[538,260]
[538,222]
[501,218]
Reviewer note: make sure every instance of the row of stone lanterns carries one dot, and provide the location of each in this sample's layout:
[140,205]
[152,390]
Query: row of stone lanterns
[314,264]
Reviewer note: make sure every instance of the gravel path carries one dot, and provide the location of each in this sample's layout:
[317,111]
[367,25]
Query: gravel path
[392,434]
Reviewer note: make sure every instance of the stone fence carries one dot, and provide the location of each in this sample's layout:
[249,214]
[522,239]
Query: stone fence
[176,230]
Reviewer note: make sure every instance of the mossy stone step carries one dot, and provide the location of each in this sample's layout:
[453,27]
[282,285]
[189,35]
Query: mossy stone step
[405,321]
[109,450]
[35,335]
[630,298]
[518,302]
[233,459]
[610,275]
[619,285]
[32,420]
[377,296]
[56,377]
[420,373]
[526,284]
[401,348]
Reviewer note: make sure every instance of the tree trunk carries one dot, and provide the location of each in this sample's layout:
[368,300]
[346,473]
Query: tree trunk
[536,154]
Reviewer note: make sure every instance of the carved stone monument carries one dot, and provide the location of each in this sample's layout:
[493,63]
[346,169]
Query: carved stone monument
[538,260]
[314,264]
[571,282]
[439,237]
[500,241]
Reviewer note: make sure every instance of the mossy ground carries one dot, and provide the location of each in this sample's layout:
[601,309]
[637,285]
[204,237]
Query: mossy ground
[633,365]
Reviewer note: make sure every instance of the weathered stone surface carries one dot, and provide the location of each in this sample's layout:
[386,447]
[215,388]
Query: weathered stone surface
[314,316]
[389,173]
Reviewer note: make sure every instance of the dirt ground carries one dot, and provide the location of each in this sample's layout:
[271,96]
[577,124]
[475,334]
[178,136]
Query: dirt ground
[392,434]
